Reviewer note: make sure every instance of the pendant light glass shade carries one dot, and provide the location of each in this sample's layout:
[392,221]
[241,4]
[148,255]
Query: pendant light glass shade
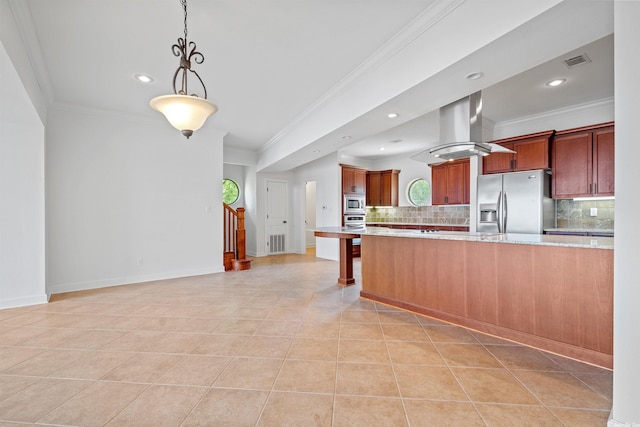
[186,113]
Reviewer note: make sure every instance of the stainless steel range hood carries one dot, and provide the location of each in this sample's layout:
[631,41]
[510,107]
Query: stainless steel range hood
[461,133]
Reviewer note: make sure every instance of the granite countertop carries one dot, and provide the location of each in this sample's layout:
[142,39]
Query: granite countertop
[510,238]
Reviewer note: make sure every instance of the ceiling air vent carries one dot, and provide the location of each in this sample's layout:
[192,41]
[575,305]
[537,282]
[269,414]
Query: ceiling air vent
[576,60]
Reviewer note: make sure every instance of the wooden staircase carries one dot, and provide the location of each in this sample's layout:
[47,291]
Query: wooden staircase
[235,244]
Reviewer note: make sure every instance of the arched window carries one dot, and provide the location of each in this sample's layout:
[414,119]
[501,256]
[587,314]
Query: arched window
[230,191]
[419,192]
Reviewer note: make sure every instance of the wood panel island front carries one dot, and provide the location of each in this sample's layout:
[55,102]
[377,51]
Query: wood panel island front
[554,293]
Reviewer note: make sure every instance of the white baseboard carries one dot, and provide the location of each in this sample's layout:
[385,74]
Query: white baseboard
[614,423]
[128,280]
[24,301]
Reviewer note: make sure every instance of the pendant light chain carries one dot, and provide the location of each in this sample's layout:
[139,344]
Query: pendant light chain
[184,7]
[180,50]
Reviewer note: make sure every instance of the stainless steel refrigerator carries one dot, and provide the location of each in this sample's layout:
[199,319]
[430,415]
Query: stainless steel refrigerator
[515,202]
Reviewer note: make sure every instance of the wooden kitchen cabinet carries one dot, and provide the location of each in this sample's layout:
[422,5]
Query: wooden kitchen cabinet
[354,179]
[382,188]
[450,183]
[583,162]
[532,151]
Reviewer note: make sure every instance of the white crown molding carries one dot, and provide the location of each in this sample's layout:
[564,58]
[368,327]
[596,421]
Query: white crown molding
[418,26]
[606,102]
[24,22]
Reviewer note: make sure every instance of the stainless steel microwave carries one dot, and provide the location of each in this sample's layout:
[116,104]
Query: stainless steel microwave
[353,204]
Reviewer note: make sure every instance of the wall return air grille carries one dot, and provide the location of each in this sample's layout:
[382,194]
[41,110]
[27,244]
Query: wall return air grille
[276,243]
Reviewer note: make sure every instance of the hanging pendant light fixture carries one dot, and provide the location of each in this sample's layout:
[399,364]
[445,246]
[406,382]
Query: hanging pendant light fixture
[186,112]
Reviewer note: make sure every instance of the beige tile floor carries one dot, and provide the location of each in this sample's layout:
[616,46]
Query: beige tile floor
[278,345]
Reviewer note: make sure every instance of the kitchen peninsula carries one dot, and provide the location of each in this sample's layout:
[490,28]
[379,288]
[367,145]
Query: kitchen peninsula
[547,291]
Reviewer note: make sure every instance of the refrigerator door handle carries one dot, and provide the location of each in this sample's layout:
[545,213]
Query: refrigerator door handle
[499,212]
[505,210]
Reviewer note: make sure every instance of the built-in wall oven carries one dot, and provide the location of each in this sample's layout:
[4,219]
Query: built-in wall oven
[354,220]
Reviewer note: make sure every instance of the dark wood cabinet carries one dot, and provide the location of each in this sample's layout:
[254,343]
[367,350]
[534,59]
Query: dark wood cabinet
[374,178]
[450,183]
[354,179]
[532,151]
[583,162]
[382,188]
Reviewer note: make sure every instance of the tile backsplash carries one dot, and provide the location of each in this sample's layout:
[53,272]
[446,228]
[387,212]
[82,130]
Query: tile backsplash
[445,215]
[570,214]
[577,214]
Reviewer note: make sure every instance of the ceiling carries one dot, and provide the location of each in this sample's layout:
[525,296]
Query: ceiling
[523,95]
[271,65]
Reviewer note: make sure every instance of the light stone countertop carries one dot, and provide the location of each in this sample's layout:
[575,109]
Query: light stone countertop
[510,238]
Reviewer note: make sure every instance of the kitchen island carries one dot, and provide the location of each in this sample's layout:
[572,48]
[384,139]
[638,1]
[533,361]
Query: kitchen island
[547,291]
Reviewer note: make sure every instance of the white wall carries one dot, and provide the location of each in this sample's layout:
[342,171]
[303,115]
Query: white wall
[251,209]
[626,334]
[22,243]
[310,214]
[327,174]
[129,201]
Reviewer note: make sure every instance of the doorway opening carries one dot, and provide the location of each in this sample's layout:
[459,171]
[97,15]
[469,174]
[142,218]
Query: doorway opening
[310,214]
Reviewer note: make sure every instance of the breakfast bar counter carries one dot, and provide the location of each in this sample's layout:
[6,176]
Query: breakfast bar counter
[547,291]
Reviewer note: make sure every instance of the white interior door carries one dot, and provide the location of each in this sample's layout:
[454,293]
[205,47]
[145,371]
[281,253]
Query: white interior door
[277,223]
[310,214]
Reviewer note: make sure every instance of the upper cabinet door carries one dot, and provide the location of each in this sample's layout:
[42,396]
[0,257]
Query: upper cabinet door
[450,183]
[603,162]
[360,181]
[353,180]
[498,162]
[373,188]
[439,185]
[531,152]
[572,162]
[455,184]
[382,188]
[583,162]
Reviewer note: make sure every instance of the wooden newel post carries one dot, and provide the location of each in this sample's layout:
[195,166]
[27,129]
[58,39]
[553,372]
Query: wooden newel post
[240,236]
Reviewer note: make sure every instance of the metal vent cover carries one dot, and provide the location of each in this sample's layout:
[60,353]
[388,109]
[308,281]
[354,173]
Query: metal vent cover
[576,60]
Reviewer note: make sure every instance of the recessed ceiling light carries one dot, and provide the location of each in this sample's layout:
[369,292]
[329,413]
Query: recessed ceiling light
[315,151]
[474,76]
[392,115]
[144,78]
[556,82]
[346,137]
[381,149]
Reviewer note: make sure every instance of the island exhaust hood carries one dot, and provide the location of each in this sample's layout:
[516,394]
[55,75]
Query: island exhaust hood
[461,132]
